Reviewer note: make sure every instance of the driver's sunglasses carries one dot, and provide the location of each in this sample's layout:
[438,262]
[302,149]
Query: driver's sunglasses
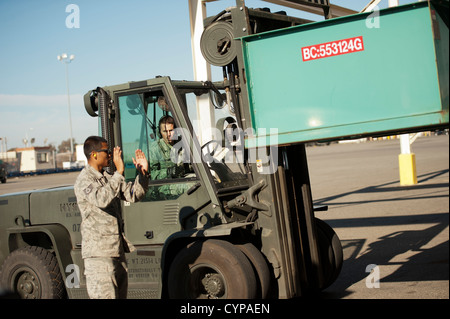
[107,151]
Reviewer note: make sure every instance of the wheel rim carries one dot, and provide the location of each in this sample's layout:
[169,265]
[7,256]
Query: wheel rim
[206,282]
[26,283]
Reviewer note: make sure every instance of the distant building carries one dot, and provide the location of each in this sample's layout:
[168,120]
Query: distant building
[81,158]
[41,158]
[32,159]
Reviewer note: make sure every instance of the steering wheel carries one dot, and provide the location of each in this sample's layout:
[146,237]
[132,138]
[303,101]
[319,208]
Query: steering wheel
[211,148]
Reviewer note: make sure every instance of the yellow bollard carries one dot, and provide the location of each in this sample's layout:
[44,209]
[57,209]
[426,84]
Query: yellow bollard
[407,169]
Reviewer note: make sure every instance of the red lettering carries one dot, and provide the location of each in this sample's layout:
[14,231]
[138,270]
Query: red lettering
[333,48]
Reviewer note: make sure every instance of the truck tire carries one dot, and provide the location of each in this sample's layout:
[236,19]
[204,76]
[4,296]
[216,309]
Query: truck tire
[331,253]
[214,269]
[260,268]
[33,273]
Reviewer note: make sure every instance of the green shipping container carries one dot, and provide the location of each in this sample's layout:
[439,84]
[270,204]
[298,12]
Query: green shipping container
[367,74]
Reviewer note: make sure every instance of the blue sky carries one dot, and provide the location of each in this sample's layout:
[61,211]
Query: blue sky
[117,41]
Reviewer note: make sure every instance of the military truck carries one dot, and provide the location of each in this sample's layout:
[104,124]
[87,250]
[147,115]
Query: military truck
[235,217]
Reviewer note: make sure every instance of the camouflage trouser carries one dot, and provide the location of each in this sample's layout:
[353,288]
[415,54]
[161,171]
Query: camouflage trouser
[106,278]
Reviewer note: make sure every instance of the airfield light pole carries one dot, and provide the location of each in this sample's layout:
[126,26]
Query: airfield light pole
[66,60]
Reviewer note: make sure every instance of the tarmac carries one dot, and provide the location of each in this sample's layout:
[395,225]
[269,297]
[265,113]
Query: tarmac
[395,238]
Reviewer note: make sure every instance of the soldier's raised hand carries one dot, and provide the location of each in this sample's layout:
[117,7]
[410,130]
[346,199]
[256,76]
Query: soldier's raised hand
[117,159]
[140,162]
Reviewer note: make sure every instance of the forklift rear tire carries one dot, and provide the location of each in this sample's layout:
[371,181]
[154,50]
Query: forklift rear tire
[211,269]
[331,253]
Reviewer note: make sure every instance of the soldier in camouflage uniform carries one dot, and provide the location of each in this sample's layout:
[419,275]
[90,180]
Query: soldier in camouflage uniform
[98,195]
[165,164]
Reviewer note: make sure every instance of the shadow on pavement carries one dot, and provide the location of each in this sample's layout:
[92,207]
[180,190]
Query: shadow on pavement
[424,262]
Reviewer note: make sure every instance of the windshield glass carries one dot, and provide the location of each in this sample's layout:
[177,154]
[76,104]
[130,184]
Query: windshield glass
[147,123]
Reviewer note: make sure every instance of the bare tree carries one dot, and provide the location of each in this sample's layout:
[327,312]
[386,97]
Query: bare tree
[65,146]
